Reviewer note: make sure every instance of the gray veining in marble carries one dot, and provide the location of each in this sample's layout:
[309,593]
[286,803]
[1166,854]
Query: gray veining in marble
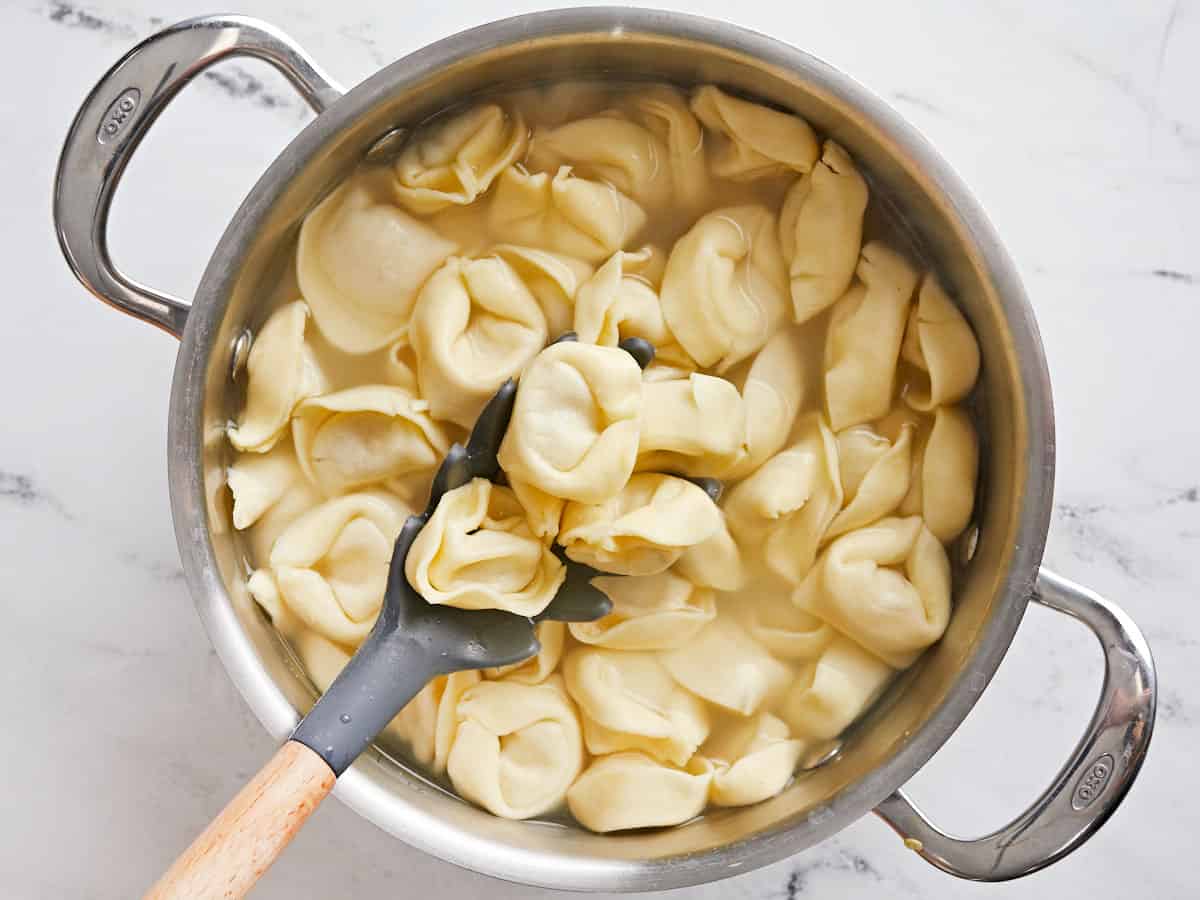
[1077,125]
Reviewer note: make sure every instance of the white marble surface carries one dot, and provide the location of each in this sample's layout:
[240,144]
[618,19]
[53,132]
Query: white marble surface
[1078,125]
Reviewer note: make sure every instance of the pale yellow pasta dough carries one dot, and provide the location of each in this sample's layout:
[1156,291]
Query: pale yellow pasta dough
[552,637]
[831,691]
[886,586]
[650,612]
[694,425]
[945,466]
[725,289]
[564,213]
[478,552]
[630,702]
[787,631]
[574,427]
[554,279]
[632,790]
[752,760]
[752,140]
[518,747]
[474,325]
[455,159]
[876,476]
[941,348]
[282,371]
[716,563]
[643,529]
[820,231]
[863,343]
[363,435]
[727,667]
[360,262]
[258,481]
[429,723]
[664,110]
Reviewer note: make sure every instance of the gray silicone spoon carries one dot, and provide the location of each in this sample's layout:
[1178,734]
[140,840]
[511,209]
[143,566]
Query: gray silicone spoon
[411,642]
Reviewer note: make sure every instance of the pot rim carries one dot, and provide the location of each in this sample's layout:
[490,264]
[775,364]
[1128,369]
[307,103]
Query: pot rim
[392,813]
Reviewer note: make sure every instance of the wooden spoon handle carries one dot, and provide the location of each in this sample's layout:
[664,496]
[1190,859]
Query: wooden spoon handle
[240,844]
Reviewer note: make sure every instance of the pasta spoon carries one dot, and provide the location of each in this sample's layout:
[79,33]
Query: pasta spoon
[411,642]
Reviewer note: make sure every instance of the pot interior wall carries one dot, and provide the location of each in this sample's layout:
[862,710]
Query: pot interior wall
[987,597]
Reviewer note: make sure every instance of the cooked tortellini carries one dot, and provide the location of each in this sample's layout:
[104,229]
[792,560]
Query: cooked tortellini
[518,747]
[752,140]
[475,324]
[630,701]
[865,332]
[574,428]
[633,790]
[644,529]
[361,260]
[650,612]
[363,435]
[766,500]
[820,231]
[752,760]
[564,213]
[725,289]
[455,160]
[282,372]
[786,507]
[886,586]
[478,552]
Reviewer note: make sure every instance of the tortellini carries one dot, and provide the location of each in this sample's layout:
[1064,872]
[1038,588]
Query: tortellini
[632,790]
[752,140]
[282,372]
[359,436]
[767,502]
[695,425]
[786,507]
[564,213]
[475,324]
[518,747]
[946,464]
[330,565]
[725,289]
[574,428]
[886,586]
[728,668]
[478,552]
[456,159]
[832,691]
[630,701]
[650,612]
[865,332]
[361,261]
[644,529]
[620,302]
[820,231]
[940,347]
[752,760]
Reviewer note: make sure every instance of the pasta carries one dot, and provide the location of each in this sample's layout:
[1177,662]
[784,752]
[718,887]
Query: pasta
[753,141]
[564,213]
[475,324]
[865,332]
[478,552]
[574,429]
[518,747]
[349,439]
[455,160]
[643,530]
[820,231]
[360,262]
[767,500]
[630,702]
[282,372]
[725,289]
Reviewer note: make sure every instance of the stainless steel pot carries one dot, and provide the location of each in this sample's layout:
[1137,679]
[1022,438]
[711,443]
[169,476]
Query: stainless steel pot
[902,732]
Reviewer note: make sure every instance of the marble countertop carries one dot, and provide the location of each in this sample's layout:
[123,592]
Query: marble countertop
[1078,129]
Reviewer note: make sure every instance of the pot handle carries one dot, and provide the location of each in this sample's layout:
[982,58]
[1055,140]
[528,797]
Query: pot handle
[1092,784]
[116,116]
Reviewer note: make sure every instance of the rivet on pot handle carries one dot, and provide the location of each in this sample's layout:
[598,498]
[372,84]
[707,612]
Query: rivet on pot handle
[1089,788]
[116,116]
